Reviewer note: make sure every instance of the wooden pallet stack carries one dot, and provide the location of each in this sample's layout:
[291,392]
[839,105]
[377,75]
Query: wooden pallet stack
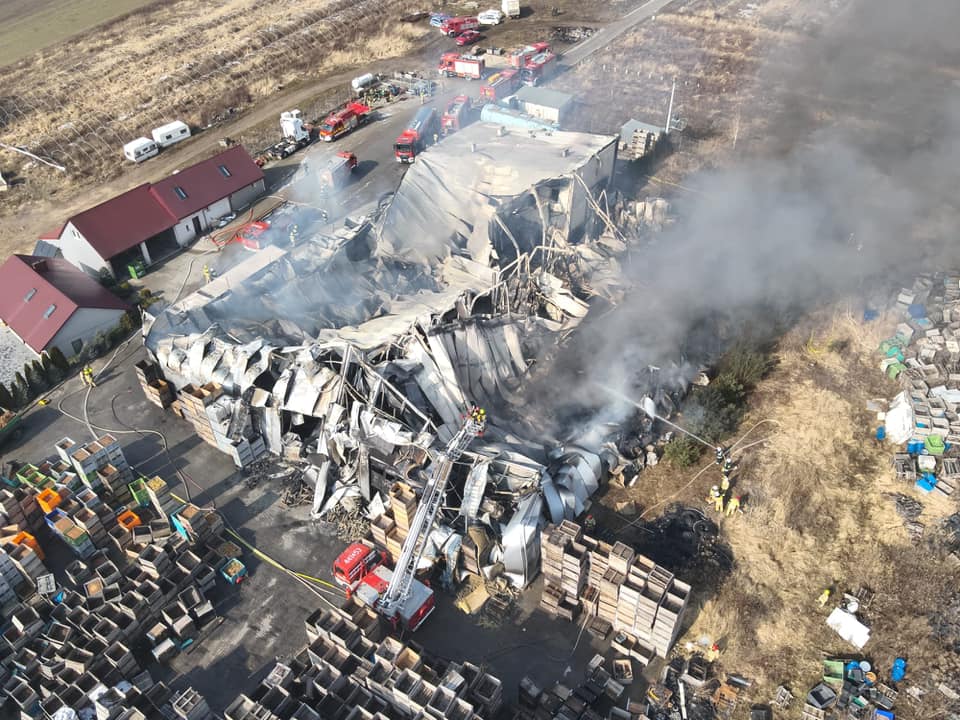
[193,403]
[565,562]
[380,527]
[617,588]
[156,389]
[403,506]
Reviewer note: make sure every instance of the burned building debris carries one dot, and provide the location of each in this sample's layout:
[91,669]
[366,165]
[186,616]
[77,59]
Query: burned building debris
[356,352]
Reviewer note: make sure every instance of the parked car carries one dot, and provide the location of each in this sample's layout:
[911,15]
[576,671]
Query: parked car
[467,37]
[490,17]
[436,19]
[226,220]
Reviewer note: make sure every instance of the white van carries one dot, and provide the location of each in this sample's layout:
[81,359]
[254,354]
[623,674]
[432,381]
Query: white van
[140,149]
[171,133]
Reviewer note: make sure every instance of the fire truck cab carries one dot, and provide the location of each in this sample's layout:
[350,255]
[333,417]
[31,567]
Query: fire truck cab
[354,563]
[452,27]
[342,121]
[360,570]
[415,609]
[418,134]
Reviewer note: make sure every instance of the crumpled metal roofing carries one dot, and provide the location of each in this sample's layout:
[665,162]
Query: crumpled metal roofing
[463,177]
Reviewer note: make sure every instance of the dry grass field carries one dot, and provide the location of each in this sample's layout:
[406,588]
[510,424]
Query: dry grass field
[818,512]
[716,50]
[196,60]
[27,26]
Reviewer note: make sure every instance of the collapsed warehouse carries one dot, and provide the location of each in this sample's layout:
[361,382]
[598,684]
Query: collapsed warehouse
[354,353]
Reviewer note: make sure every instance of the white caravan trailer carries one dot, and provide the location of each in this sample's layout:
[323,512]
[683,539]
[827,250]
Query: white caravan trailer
[171,133]
[140,149]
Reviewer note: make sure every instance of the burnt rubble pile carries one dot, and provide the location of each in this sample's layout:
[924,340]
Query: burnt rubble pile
[355,354]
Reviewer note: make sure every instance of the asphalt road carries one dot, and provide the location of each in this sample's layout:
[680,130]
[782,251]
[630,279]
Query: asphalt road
[611,32]
[377,170]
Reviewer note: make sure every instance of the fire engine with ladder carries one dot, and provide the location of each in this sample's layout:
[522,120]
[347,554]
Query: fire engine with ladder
[397,594]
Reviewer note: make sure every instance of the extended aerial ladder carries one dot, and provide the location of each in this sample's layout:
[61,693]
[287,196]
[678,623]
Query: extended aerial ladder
[399,588]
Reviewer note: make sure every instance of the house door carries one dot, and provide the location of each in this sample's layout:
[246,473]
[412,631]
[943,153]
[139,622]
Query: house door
[196,224]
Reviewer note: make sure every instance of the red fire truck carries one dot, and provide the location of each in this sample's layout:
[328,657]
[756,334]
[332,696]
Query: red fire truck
[455,65]
[397,594]
[417,135]
[452,27]
[355,562]
[335,174]
[458,114]
[342,121]
[500,85]
[535,62]
[253,236]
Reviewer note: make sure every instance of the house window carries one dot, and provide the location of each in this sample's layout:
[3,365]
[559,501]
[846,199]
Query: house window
[49,311]
[29,296]
[181,193]
[77,346]
[224,171]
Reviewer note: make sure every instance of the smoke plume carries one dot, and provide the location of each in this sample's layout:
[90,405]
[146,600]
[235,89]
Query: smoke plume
[851,189]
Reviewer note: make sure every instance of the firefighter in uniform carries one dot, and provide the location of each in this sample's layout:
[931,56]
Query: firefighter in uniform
[87,375]
[207,273]
[716,497]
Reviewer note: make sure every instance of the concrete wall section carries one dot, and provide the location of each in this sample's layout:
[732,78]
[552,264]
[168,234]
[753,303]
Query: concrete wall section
[79,252]
[184,230]
[217,211]
[84,325]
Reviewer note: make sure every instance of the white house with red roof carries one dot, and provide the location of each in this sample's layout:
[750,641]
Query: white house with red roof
[49,303]
[153,221]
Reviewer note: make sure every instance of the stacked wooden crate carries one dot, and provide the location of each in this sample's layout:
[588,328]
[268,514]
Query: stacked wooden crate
[157,390]
[162,500]
[99,464]
[20,507]
[615,586]
[194,402]
[403,506]
[564,562]
[380,528]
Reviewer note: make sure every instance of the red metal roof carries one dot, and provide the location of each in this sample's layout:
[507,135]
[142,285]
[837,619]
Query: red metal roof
[47,282]
[205,183]
[123,222]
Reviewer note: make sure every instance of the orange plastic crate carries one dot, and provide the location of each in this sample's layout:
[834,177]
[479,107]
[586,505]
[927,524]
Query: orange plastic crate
[48,500]
[25,538]
[128,520]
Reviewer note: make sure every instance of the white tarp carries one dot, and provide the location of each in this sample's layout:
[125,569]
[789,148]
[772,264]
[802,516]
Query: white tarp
[899,420]
[849,628]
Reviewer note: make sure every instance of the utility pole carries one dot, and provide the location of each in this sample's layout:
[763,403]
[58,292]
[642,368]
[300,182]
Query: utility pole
[673,92]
